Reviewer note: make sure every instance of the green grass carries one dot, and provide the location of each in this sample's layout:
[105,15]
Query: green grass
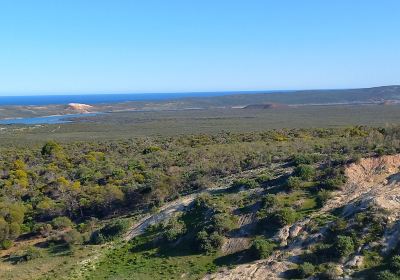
[142,259]
[306,203]
[56,263]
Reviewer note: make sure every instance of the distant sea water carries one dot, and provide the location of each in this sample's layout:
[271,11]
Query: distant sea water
[106,98]
[46,120]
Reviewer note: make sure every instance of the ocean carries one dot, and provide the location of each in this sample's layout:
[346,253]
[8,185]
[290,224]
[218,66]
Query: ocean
[102,98]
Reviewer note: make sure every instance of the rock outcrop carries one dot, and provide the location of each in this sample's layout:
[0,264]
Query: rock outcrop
[78,107]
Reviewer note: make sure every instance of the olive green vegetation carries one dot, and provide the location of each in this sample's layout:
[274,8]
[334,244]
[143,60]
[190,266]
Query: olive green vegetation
[125,125]
[73,195]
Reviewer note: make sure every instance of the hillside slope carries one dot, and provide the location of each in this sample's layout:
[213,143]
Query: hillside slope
[372,183]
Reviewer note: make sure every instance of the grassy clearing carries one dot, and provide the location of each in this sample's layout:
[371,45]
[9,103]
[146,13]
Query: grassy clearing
[142,259]
[56,263]
[304,203]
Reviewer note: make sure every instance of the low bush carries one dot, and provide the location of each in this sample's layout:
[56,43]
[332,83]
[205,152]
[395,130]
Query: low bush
[32,253]
[303,159]
[285,216]
[262,178]
[270,201]
[305,172]
[174,229]
[61,222]
[386,275]
[331,271]
[294,182]
[72,237]
[262,248]
[42,229]
[322,197]
[306,270]
[245,183]
[395,264]
[6,244]
[344,246]
[223,222]
[109,232]
[209,243]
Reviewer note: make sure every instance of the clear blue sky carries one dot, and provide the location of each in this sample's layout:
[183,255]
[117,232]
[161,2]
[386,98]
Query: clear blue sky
[49,46]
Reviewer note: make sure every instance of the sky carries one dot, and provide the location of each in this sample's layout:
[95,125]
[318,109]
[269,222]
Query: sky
[138,46]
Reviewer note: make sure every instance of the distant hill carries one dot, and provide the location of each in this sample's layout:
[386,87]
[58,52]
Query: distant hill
[304,97]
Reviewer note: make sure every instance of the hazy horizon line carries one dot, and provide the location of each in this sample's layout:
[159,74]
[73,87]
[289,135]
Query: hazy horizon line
[72,93]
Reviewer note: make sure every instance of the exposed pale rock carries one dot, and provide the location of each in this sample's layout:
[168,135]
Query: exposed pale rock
[82,108]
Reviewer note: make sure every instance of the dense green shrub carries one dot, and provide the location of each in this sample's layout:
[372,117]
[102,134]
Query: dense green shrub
[330,271]
[344,246]
[245,183]
[72,237]
[306,270]
[387,275]
[61,223]
[88,226]
[395,264]
[223,222]
[303,159]
[285,216]
[51,148]
[264,177]
[305,172]
[209,243]
[151,149]
[6,244]
[97,238]
[174,229]
[294,182]
[32,253]
[334,183]
[322,197]
[109,232]
[262,248]
[42,229]
[270,201]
